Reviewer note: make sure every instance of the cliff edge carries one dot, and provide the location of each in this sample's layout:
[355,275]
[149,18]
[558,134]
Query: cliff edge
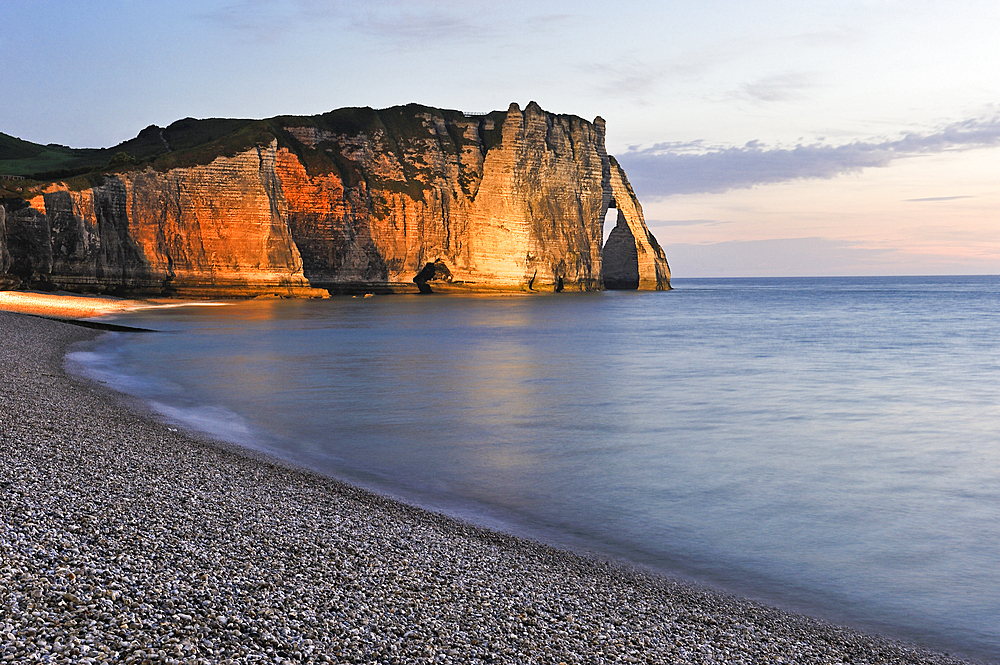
[400,199]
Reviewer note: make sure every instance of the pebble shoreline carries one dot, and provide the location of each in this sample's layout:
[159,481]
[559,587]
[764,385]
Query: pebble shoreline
[124,540]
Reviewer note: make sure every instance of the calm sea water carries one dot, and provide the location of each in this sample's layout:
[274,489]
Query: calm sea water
[828,445]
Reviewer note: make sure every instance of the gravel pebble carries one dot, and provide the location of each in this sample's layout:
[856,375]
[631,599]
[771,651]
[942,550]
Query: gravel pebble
[124,540]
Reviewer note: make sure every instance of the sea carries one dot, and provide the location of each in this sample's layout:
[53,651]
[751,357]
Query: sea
[830,446]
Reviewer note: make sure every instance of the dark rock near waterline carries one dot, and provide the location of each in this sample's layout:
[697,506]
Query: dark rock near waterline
[437,271]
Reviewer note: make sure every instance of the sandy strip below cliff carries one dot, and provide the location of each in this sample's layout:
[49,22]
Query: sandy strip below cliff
[123,539]
[66,306]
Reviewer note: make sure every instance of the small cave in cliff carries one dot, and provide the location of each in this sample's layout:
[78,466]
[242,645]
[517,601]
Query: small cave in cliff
[437,270]
[620,258]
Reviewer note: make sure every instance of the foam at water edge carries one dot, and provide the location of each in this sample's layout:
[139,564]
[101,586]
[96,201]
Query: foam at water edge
[215,421]
[101,364]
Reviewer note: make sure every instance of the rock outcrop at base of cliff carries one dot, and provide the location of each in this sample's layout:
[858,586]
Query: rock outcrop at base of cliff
[356,199]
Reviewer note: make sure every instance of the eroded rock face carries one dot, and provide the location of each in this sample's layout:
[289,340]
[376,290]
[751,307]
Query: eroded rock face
[499,199]
[207,230]
[6,280]
[4,256]
[511,200]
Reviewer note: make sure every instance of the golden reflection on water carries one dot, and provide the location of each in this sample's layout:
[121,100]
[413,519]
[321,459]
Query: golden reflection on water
[497,376]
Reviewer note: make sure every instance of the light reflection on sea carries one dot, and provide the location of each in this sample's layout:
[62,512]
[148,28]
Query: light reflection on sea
[829,445]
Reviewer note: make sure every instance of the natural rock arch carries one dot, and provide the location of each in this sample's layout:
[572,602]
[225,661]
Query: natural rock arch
[620,257]
[631,258]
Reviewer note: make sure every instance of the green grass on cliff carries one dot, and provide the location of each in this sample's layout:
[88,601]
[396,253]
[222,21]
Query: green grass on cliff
[191,142]
[23,158]
[186,142]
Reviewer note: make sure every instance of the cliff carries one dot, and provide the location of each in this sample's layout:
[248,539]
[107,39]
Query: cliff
[4,254]
[357,199]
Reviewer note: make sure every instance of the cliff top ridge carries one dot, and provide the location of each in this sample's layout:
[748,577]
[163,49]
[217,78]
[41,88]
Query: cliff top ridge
[25,166]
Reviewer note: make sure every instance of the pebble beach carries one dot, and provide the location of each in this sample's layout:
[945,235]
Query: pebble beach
[124,539]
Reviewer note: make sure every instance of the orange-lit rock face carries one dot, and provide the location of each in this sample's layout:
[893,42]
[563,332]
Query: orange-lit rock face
[510,201]
[217,228]
[521,211]
[223,223]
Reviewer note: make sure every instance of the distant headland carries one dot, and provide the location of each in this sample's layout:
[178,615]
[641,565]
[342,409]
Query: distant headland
[400,199]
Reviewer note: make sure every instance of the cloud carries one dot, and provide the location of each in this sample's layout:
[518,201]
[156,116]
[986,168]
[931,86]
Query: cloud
[816,256]
[937,198]
[781,88]
[268,20]
[632,80]
[685,222]
[666,169]
[420,27]
[775,257]
[402,22]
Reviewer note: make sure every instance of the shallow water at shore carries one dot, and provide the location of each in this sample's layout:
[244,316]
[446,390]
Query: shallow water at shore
[828,445]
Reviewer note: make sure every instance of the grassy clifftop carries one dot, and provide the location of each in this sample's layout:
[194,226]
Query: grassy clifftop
[23,158]
[42,163]
[190,142]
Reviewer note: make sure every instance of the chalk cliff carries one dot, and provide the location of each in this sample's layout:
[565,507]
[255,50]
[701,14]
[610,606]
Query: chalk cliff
[4,254]
[209,229]
[357,199]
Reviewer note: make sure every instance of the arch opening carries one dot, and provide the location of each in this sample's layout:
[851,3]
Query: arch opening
[610,219]
[620,257]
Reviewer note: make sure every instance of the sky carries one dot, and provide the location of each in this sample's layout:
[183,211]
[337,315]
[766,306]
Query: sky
[763,138]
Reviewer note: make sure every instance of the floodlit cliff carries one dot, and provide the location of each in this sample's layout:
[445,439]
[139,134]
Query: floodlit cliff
[397,199]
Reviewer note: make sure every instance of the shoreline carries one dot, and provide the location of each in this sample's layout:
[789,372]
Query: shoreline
[67,305]
[140,541]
